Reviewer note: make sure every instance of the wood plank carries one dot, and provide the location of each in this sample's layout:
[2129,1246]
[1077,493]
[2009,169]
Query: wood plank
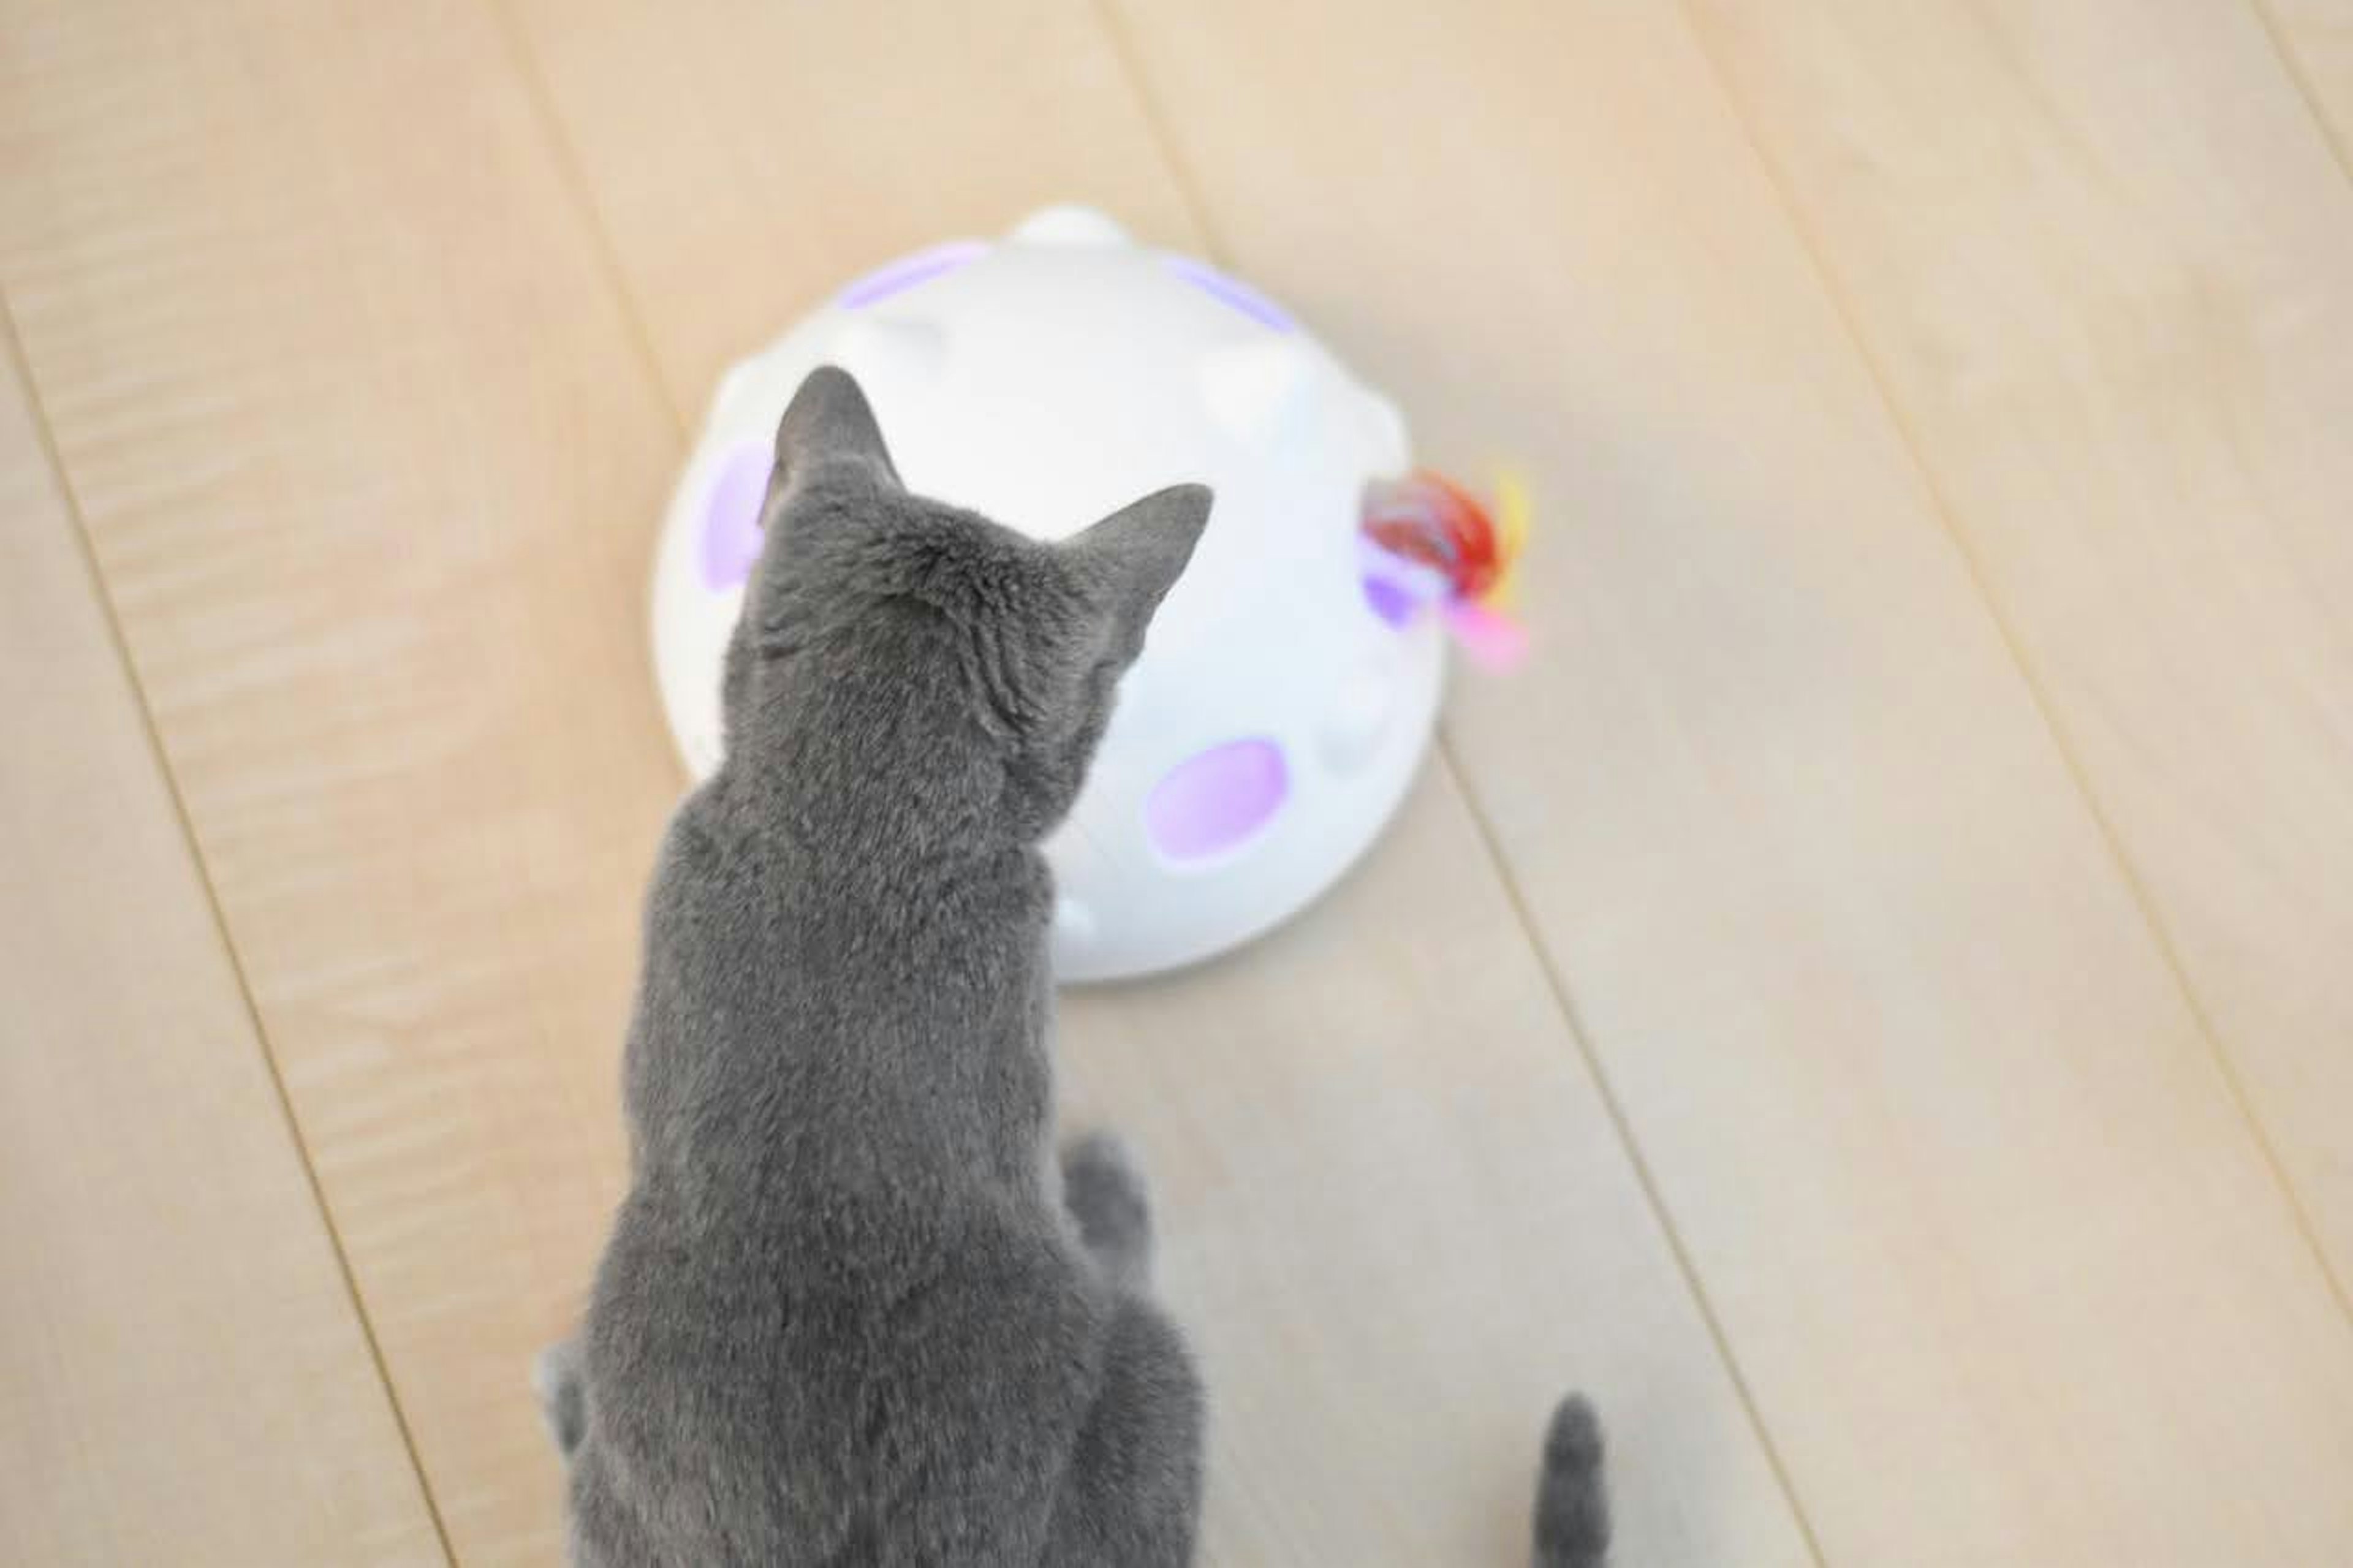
[356,425]
[1998,1255]
[1397,1218]
[183,1376]
[2116,316]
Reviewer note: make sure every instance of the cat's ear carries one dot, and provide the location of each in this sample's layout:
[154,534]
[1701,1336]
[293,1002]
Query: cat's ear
[1128,563]
[830,423]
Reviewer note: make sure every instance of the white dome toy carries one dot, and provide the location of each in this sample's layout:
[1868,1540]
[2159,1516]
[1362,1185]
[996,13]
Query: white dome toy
[1284,697]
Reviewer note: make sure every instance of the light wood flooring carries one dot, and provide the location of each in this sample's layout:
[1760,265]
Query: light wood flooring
[1872,1002]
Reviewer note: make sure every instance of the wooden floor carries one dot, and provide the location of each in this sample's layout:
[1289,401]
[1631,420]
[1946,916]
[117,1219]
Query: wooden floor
[1872,1002]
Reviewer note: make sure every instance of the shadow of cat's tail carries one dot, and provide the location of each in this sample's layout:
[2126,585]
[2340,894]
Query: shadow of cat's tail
[1572,1526]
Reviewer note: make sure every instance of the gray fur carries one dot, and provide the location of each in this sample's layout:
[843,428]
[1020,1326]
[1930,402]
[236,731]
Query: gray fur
[845,1315]
[1572,1525]
[854,1309]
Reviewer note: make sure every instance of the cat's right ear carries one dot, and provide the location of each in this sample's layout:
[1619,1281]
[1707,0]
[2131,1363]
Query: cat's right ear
[829,423]
[1130,559]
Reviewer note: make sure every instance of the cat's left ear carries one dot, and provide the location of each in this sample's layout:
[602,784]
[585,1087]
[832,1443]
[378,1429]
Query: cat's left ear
[1128,563]
[830,423]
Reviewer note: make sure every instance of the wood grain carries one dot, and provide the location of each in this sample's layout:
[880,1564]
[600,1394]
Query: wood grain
[369,462]
[1930,794]
[2315,38]
[2116,316]
[1997,1254]
[183,1376]
[1397,1218]
[1398,1223]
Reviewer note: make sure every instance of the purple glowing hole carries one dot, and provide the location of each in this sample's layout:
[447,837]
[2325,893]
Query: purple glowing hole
[910,271]
[1390,601]
[731,517]
[1397,588]
[1232,293]
[1215,800]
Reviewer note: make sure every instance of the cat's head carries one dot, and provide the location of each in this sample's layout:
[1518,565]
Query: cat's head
[920,659]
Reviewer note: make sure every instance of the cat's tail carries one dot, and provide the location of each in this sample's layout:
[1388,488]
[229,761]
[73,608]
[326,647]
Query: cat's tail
[1572,1499]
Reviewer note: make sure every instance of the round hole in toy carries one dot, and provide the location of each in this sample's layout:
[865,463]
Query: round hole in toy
[909,271]
[731,517]
[1232,293]
[1214,802]
[1391,600]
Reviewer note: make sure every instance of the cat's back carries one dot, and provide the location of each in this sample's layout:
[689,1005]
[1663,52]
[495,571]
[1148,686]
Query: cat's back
[852,1380]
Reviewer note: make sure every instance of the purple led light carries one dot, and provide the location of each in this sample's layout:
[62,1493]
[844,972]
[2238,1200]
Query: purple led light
[1395,587]
[731,517]
[907,272]
[1232,293]
[1216,799]
[1390,601]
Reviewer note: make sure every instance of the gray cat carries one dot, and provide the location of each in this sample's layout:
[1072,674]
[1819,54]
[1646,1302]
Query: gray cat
[854,1311]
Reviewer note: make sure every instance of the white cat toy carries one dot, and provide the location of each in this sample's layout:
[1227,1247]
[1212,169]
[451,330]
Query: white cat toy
[1292,679]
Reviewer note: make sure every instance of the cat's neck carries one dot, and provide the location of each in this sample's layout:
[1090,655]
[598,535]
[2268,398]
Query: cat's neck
[888,782]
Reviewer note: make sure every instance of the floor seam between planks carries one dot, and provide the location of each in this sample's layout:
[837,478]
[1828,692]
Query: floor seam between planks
[19,362]
[1948,517]
[574,180]
[1573,1020]
[1499,866]
[2293,69]
[1156,123]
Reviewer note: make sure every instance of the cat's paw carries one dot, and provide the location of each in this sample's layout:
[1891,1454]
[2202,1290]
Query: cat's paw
[1106,1194]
